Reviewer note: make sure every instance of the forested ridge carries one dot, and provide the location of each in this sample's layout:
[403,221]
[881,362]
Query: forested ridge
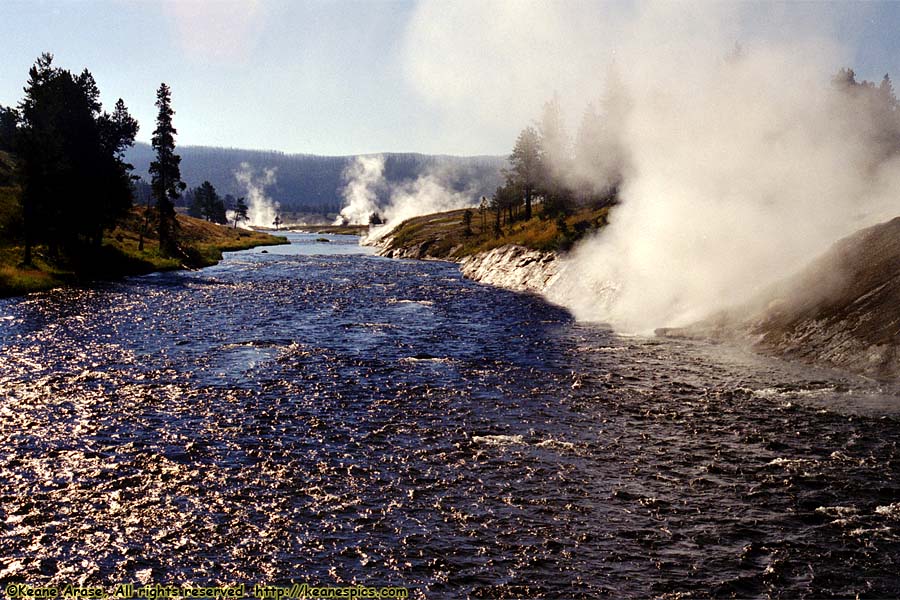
[308,183]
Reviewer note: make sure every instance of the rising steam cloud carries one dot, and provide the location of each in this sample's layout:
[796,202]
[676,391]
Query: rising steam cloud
[261,209]
[364,179]
[741,166]
[366,184]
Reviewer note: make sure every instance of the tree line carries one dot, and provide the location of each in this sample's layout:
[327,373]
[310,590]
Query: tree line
[204,202]
[70,165]
[878,104]
[71,170]
[560,175]
[309,184]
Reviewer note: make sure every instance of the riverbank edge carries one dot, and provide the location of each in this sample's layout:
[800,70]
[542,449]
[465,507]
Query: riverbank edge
[203,245]
[511,266]
[815,331]
[841,311]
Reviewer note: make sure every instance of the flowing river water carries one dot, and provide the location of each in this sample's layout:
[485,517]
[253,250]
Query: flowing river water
[316,414]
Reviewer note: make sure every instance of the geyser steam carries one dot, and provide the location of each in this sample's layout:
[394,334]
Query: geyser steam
[736,180]
[742,165]
[262,210]
[428,193]
[364,176]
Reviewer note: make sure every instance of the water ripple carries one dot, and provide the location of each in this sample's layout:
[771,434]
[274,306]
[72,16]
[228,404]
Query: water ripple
[343,418]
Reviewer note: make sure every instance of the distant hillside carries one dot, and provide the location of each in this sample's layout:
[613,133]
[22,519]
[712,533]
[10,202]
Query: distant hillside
[310,183]
[843,309]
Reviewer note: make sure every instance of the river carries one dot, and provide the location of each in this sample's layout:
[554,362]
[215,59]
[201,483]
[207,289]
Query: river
[312,413]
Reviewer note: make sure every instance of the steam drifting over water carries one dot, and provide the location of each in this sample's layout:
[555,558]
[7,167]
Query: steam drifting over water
[262,210]
[366,185]
[740,166]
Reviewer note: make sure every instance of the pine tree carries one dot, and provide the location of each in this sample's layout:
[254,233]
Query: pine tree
[526,162]
[482,209]
[117,133]
[41,153]
[165,171]
[554,140]
[240,212]
[74,181]
[9,120]
[205,203]
[887,93]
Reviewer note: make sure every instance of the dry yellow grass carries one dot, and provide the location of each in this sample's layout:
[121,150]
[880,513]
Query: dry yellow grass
[201,242]
[444,236]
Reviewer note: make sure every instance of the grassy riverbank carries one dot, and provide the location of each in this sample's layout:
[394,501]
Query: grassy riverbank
[444,236]
[332,229]
[201,242]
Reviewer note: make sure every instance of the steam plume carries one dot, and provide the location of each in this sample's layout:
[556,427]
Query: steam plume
[429,193]
[262,210]
[739,166]
[364,177]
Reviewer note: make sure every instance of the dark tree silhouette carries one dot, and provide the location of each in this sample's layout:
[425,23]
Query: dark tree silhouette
[845,78]
[74,181]
[886,90]
[117,132]
[482,209]
[206,204]
[41,151]
[498,211]
[165,171]
[9,120]
[876,104]
[240,212]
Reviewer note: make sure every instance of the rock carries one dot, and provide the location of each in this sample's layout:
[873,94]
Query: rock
[512,267]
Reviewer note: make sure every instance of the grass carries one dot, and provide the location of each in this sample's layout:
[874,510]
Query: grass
[443,235]
[202,244]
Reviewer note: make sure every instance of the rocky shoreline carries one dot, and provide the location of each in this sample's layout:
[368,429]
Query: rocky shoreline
[511,267]
[842,311]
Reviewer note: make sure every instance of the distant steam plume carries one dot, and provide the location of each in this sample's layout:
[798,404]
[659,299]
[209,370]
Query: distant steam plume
[364,179]
[366,185]
[262,210]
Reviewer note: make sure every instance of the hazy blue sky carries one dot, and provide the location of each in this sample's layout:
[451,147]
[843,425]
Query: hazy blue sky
[350,77]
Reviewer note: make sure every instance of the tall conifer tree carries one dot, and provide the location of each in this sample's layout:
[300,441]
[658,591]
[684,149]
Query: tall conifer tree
[165,171]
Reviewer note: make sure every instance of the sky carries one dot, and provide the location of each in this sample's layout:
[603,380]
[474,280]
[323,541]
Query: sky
[339,77]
